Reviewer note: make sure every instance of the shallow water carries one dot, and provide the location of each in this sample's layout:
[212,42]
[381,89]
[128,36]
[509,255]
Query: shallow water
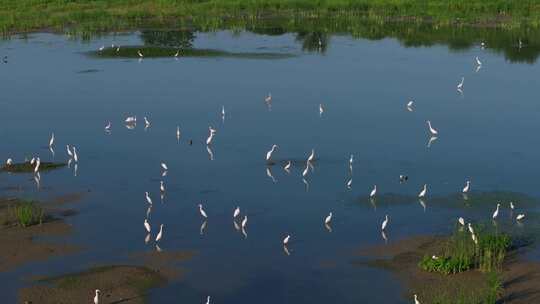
[487,135]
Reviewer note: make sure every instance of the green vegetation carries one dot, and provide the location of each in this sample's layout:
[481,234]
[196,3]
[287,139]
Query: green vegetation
[485,295]
[26,167]
[106,15]
[158,51]
[28,213]
[460,253]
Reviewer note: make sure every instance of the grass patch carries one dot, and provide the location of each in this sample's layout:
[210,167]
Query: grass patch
[157,52]
[460,253]
[26,167]
[28,213]
[488,294]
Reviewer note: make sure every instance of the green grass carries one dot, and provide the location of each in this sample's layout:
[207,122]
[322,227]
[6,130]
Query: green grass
[106,15]
[26,167]
[28,213]
[486,295]
[461,253]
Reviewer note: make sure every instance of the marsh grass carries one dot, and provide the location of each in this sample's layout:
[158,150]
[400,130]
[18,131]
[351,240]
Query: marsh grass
[460,253]
[27,213]
[26,167]
[488,294]
[158,51]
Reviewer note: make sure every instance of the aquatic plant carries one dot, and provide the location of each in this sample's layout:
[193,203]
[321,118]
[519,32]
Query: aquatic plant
[28,213]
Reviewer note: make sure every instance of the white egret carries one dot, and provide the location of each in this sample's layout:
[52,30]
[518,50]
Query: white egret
[148,198]
[203,227]
[328,219]
[236,212]
[474,238]
[222,110]
[146,122]
[460,85]
[244,222]
[520,217]
[108,126]
[9,162]
[286,240]
[96,297]
[373,192]
[177,132]
[321,110]
[164,166]
[202,212]
[461,221]
[306,170]
[311,156]
[431,129]
[161,186]
[512,205]
[384,223]
[177,53]
[212,130]
[244,233]
[208,300]
[471,230]
[147,238]
[268,98]
[147,226]
[467,187]
[51,141]
[236,226]
[410,104]
[75,155]
[131,119]
[101,48]
[160,234]
[423,192]
[38,162]
[210,138]
[496,213]
[416,299]
[478,62]
[351,160]
[269,153]
[349,183]
[140,53]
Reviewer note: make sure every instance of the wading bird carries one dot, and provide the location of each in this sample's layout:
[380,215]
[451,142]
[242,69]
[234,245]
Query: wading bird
[148,199]
[96,297]
[460,85]
[512,205]
[201,211]
[9,162]
[147,226]
[269,153]
[177,132]
[69,151]
[311,157]
[38,163]
[349,183]
[461,221]
[431,129]
[287,166]
[467,187]
[286,240]
[140,53]
[496,213]
[328,219]
[373,192]
[321,110]
[268,98]
[75,155]
[478,62]
[164,166]
[471,230]
[244,222]
[384,223]
[416,299]
[423,192]
[161,186]
[236,212]
[51,141]
[520,217]
[160,234]
[108,126]
[146,122]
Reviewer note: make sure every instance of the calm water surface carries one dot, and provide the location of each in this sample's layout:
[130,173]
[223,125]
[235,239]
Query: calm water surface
[487,134]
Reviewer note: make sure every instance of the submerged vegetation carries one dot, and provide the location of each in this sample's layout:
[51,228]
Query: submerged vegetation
[26,167]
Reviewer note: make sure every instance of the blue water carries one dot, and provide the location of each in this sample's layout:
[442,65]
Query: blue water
[487,134]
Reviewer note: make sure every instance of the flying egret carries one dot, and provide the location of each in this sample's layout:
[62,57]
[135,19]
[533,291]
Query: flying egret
[236,212]
[460,85]
[269,153]
[384,223]
[416,299]
[147,226]
[108,126]
[467,187]
[373,192]
[461,221]
[160,234]
[75,155]
[51,141]
[328,219]
[148,198]
[268,98]
[201,210]
[9,162]
[286,240]
[244,222]
[96,297]
[423,192]
[140,53]
[471,230]
[161,186]
[164,166]
[512,205]
[38,162]
[431,129]
[520,217]
[311,156]
[496,213]
[349,183]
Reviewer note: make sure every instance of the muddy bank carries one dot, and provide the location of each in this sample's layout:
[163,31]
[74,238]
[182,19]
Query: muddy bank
[520,279]
[19,245]
[118,284]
